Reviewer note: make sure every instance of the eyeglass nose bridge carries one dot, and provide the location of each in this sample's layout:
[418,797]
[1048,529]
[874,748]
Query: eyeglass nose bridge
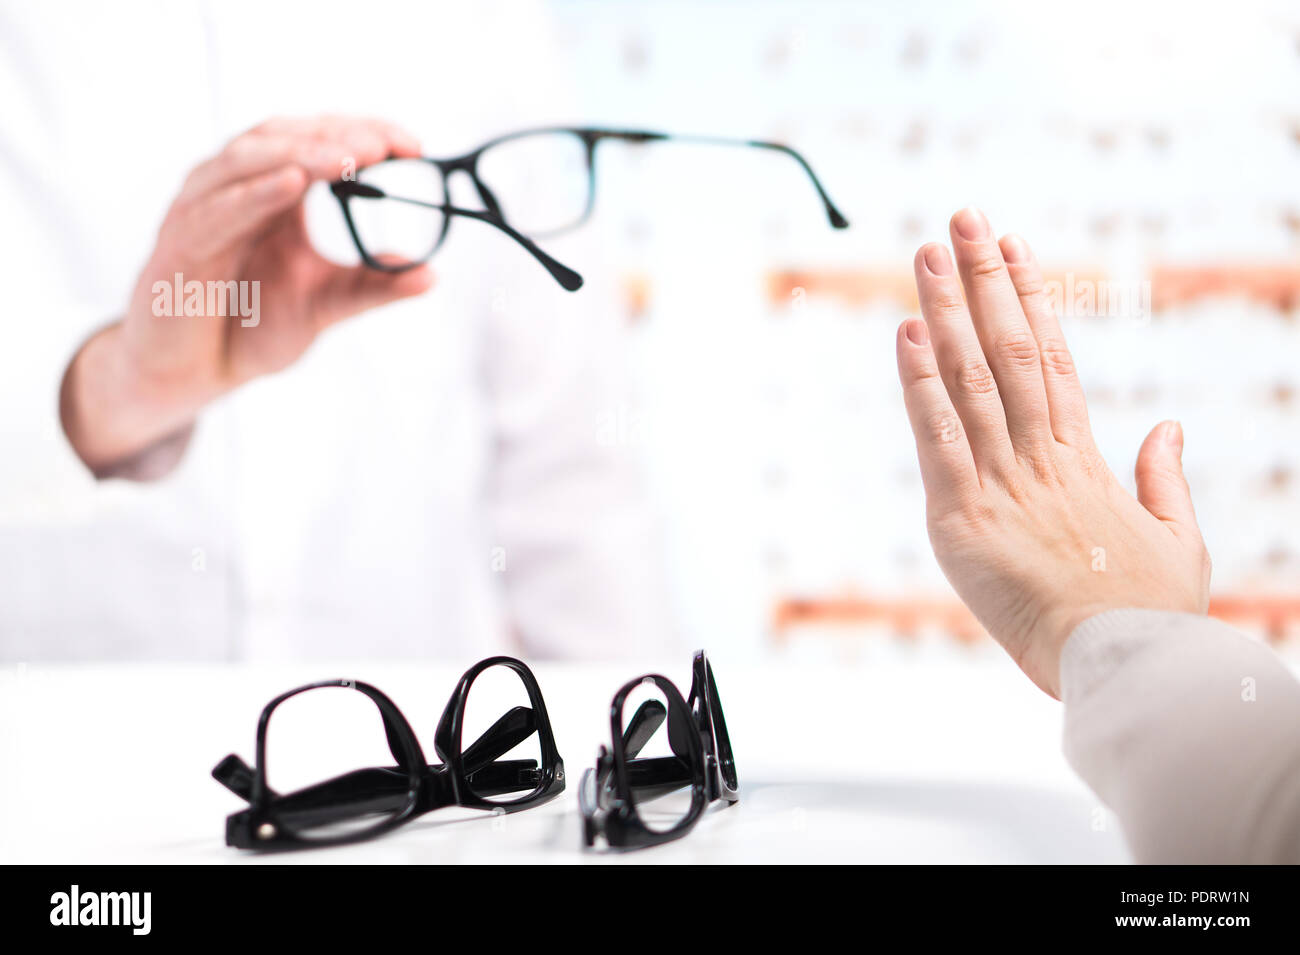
[469,167]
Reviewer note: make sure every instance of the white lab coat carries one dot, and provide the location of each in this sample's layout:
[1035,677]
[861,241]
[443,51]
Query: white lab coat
[430,479]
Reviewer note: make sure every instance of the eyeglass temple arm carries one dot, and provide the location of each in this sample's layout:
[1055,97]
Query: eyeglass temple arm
[568,279]
[237,776]
[347,793]
[500,738]
[366,790]
[652,776]
[645,722]
[837,219]
[657,775]
[649,777]
[643,725]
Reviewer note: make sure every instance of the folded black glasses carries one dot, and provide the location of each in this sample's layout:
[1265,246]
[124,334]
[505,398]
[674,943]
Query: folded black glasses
[533,184]
[369,801]
[634,800]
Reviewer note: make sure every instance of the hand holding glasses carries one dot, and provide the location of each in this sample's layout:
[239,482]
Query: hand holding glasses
[370,801]
[634,800]
[533,184]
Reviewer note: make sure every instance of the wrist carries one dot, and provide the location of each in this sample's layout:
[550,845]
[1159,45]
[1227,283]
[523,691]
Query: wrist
[1041,660]
[113,408]
[1041,657]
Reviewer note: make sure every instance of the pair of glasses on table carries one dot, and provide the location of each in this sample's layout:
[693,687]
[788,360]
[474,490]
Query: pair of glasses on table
[652,787]
[533,184]
[511,762]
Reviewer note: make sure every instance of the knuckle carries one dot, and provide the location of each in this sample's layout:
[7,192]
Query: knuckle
[921,372]
[985,266]
[1056,358]
[948,303]
[1030,287]
[1018,347]
[973,377]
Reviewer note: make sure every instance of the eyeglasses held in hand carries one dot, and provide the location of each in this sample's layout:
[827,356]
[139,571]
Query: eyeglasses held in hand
[533,184]
[654,787]
[369,801]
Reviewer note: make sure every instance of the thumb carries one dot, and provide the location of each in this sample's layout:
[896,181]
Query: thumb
[1161,487]
[347,291]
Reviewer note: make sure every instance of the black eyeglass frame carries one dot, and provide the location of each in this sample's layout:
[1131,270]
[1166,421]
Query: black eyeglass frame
[607,795]
[465,776]
[345,190]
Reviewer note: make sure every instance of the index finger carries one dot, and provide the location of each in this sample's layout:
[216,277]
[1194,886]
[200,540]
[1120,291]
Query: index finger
[325,148]
[332,128]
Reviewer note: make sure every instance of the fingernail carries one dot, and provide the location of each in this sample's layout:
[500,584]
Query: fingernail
[1014,249]
[937,259]
[916,331]
[1174,435]
[971,224]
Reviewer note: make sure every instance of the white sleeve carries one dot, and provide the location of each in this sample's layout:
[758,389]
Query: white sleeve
[1190,732]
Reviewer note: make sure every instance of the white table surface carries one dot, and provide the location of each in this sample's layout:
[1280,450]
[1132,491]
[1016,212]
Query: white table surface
[918,760]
